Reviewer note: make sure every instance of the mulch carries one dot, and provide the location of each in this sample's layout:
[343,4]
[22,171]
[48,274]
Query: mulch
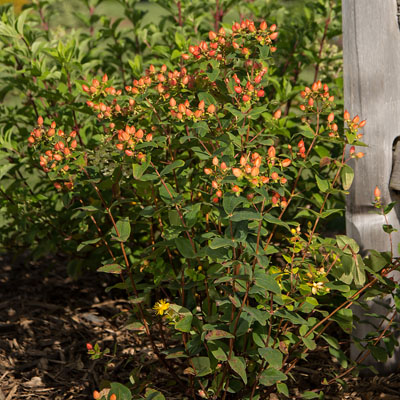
[46,320]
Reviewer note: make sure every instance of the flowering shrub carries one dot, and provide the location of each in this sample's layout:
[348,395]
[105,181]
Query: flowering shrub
[47,52]
[210,204]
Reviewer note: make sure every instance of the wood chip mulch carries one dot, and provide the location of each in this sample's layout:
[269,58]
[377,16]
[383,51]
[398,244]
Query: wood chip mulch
[46,319]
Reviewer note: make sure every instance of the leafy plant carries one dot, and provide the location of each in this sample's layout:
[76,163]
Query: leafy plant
[209,202]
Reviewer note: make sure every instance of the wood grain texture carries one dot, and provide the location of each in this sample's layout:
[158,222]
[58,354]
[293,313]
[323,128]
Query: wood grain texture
[371,47]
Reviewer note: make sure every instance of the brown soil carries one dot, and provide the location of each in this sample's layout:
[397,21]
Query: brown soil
[46,319]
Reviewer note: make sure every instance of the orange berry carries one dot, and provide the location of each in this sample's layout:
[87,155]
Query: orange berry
[352,150]
[346,116]
[286,162]
[273,36]
[263,26]
[362,123]
[236,189]
[360,154]
[377,192]
[212,35]
[113,397]
[96,395]
[277,114]
[215,161]
[272,152]
[208,171]
[237,172]
[331,117]
[211,109]
[255,171]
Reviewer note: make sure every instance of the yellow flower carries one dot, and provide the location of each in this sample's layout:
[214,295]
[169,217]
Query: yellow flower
[161,307]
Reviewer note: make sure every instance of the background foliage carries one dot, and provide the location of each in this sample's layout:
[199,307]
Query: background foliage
[246,279]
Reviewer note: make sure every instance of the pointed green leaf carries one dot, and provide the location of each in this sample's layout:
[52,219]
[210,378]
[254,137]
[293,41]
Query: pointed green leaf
[239,366]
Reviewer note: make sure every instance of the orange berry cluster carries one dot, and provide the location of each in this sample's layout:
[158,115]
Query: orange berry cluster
[62,145]
[249,89]
[183,112]
[317,94]
[129,137]
[249,169]
[354,124]
[97,88]
[220,42]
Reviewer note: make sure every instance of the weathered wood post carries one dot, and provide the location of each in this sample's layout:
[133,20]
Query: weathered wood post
[371,47]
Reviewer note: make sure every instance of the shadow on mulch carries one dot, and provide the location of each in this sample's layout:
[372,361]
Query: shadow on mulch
[46,319]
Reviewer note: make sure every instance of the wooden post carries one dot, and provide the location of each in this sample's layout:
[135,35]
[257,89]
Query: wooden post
[371,49]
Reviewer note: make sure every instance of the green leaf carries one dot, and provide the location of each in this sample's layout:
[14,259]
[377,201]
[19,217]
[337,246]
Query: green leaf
[166,194]
[202,366]
[343,240]
[172,166]
[185,318]
[239,366]
[136,65]
[259,315]
[388,208]
[267,282]
[218,334]
[257,111]
[230,202]
[323,184]
[273,356]
[120,391]
[276,221]
[212,76]
[89,208]
[246,216]
[139,169]
[110,268]
[270,376]
[219,354]
[152,394]
[388,228]
[124,230]
[344,318]
[347,176]
[333,342]
[85,243]
[180,40]
[310,395]
[219,242]
[237,113]
[379,353]
[310,343]
[185,247]
[282,388]
[207,97]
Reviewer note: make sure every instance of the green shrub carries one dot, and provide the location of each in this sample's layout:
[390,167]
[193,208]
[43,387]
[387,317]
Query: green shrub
[210,203]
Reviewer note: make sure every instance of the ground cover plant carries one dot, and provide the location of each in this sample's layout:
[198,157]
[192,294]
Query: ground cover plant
[199,185]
